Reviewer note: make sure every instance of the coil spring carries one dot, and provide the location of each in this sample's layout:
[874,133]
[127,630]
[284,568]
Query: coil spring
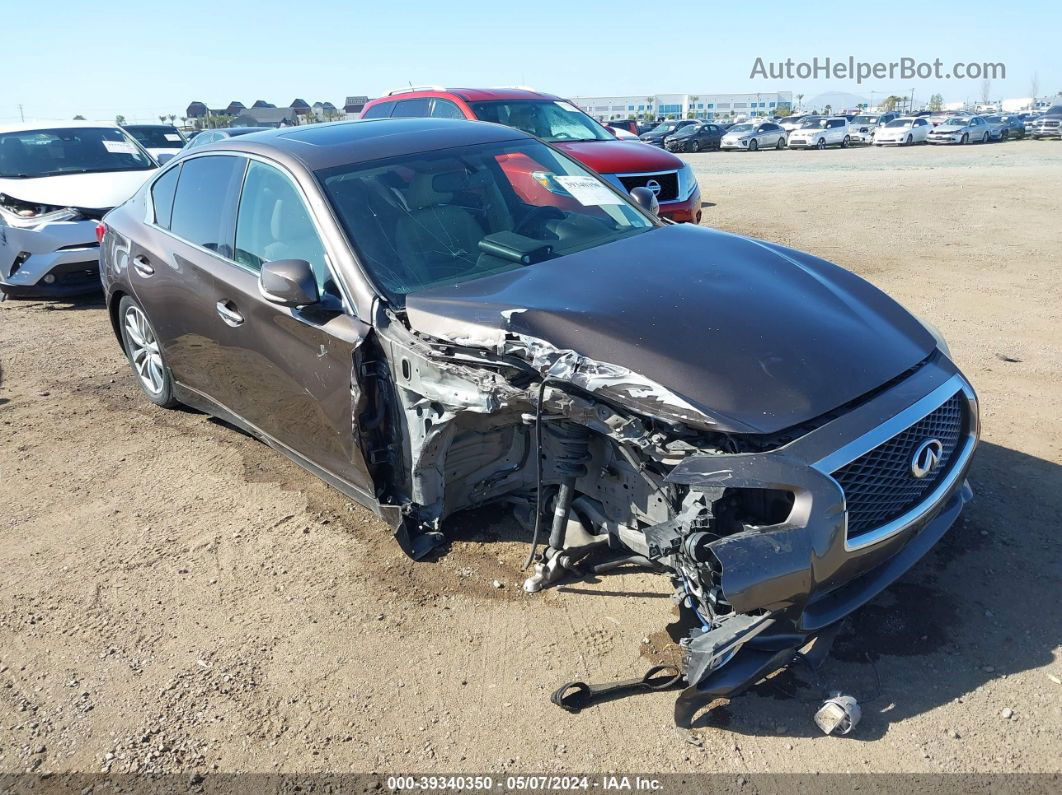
[570,446]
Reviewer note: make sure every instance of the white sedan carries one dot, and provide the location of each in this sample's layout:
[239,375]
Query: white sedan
[903,131]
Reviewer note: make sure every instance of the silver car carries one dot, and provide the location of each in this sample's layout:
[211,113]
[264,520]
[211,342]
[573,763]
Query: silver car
[997,128]
[960,130]
[751,136]
[57,181]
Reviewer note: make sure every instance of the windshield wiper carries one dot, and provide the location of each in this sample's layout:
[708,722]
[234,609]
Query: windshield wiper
[18,176]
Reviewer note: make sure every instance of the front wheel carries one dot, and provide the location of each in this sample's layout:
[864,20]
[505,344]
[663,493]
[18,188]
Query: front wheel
[753,145]
[909,141]
[780,144]
[821,144]
[846,142]
[145,356]
[964,140]
[984,138]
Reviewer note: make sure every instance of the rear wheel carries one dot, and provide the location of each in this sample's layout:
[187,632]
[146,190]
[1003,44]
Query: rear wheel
[145,356]
[753,145]
[846,142]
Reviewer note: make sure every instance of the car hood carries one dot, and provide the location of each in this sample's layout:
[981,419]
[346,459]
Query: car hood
[91,191]
[620,157]
[755,337]
[949,128]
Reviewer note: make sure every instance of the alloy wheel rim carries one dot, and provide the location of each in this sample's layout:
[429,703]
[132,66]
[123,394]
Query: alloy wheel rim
[144,350]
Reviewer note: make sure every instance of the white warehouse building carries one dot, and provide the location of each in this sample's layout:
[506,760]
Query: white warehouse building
[682,106]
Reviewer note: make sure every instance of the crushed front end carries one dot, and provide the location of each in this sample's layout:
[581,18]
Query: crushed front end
[768,539]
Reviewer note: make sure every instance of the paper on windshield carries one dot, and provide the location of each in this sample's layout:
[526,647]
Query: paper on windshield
[120,147]
[172,137]
[588,191]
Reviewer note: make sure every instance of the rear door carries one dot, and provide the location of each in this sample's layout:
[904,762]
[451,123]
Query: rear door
[177,268]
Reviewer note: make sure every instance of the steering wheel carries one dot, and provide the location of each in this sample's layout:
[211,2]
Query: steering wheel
[539,215]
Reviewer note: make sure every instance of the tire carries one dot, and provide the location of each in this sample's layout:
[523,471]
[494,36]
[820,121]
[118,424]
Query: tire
[964,140]
[909,141]
[145,357]
[984,138]
[821,144]
[754,145]
[1004,135]
[846,142]
[780,144]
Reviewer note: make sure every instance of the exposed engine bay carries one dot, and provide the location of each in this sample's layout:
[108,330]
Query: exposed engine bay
[606,468]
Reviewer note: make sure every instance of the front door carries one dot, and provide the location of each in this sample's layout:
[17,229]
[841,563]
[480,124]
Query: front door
[290,372]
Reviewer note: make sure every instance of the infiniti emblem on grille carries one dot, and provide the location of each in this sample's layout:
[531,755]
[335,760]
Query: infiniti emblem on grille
[926,457]
[654,186]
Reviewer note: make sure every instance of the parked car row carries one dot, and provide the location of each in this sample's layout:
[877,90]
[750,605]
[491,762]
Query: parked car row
[811,131]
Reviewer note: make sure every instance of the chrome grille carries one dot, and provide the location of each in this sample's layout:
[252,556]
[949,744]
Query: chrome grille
[879,486]
[668,182]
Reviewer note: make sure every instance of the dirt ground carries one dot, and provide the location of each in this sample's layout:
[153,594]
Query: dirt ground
[175,596]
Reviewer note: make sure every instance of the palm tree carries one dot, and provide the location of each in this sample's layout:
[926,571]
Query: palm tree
[162,118]
[172,117]
[800,98]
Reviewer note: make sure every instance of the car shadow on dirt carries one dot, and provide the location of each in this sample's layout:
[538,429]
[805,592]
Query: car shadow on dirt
[964,616]
[92,300]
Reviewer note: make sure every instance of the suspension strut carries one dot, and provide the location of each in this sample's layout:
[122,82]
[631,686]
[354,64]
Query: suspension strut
[571,445]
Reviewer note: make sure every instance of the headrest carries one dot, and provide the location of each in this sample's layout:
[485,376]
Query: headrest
[450,181]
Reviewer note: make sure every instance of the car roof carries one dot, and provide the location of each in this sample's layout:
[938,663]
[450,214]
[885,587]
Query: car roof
[474,94]
[55,125]
[318,146]
[147,126]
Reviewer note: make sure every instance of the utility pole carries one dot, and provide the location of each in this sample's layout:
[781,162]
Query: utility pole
[21,115]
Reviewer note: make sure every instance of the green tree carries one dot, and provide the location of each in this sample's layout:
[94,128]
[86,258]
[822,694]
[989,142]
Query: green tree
[162,118]
[79,117]
[119,119]
[889,103]
[936,102]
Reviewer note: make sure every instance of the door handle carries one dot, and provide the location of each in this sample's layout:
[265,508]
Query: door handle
[229,315]
[142,266]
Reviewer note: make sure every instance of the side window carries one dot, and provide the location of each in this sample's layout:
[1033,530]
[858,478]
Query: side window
[410,108]
[162,193]
[273,223]
[204,207]
[381,111]
[445,109]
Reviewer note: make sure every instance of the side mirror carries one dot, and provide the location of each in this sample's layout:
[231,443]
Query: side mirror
[289,282]
[646,199]
[164,158]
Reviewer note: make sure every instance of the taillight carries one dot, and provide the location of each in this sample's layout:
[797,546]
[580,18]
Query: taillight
[101,230]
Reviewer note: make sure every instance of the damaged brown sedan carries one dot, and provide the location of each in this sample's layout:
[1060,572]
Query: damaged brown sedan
[434,315]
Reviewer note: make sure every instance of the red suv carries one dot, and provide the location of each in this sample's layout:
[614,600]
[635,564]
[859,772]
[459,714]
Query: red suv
[626,164]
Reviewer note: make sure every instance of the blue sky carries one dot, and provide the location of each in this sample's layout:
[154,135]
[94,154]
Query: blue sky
[142,58]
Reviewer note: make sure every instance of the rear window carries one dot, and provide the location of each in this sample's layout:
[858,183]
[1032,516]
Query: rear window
[157,136]
[381,111]
[204,208]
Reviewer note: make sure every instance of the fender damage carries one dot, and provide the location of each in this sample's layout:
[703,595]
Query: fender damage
[751,533]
